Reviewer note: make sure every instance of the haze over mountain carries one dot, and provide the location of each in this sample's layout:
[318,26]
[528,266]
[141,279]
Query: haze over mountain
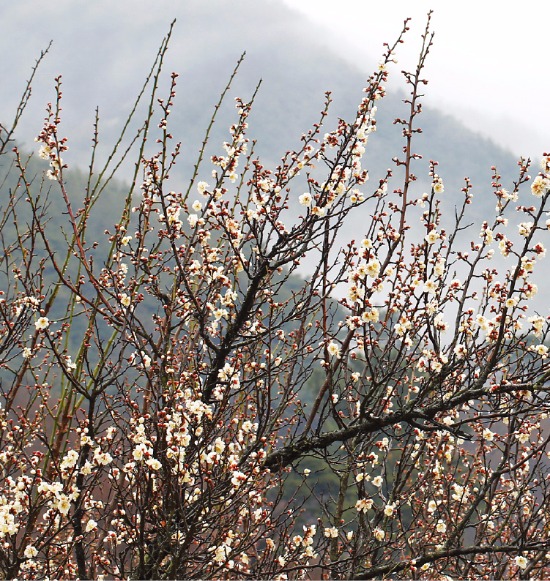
[105,49]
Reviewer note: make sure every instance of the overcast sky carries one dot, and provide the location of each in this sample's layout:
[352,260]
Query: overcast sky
[489,65]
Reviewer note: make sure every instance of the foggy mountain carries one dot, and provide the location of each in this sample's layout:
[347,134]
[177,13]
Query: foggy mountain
[104,51]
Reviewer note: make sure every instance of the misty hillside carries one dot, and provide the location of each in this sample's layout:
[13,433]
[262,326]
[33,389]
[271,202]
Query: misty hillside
[104,51]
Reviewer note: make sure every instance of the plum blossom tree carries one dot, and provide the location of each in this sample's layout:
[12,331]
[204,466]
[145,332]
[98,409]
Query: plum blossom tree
[176,391]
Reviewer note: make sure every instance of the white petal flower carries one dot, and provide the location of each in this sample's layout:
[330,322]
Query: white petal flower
[42,323]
